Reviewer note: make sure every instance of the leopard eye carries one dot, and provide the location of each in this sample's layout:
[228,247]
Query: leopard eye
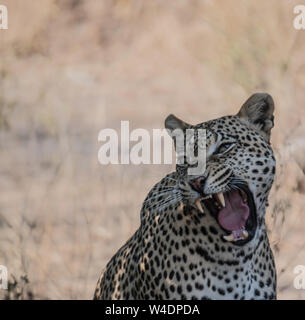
[223,148]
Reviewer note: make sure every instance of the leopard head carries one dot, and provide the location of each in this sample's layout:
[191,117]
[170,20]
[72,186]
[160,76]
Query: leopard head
[239,166]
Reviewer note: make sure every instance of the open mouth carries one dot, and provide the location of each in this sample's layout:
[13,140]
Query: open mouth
[234,211]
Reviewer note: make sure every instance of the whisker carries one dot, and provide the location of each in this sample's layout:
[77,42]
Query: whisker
[168,203]
[160,195]
[168,178]
[165,199]
[169,198]
[168,188]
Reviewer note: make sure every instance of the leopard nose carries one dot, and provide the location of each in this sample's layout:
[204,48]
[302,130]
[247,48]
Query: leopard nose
[198,184]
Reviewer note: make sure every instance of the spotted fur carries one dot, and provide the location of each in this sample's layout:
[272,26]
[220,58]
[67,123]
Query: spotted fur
[178,252]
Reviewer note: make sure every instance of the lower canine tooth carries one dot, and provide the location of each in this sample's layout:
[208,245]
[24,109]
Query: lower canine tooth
[245,234]
[221,198]
[229,237]
[198,205]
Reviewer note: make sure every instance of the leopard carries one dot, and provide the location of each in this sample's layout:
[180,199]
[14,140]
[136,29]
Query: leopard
[202,233]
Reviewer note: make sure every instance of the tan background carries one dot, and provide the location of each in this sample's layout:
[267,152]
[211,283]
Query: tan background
[71,68]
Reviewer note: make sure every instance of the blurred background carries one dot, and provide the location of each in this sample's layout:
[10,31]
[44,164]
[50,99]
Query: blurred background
[69,68]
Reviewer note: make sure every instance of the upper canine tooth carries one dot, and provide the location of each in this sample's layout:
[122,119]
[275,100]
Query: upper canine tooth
[229,237]
[198,205]
[221,198]
[181,206]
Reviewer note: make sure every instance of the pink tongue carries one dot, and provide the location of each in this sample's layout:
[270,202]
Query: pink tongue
[235,214]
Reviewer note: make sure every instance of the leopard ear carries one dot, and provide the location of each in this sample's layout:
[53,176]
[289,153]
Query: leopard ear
[176,128]
[257,111]
[173,123]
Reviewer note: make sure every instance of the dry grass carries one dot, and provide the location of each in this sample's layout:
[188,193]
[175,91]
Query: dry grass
[71,68]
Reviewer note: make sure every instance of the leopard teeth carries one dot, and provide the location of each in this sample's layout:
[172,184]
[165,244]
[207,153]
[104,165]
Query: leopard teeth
[198,205]
[229,237]
[245,234]
[221,199]
[244,197]
[181,206]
